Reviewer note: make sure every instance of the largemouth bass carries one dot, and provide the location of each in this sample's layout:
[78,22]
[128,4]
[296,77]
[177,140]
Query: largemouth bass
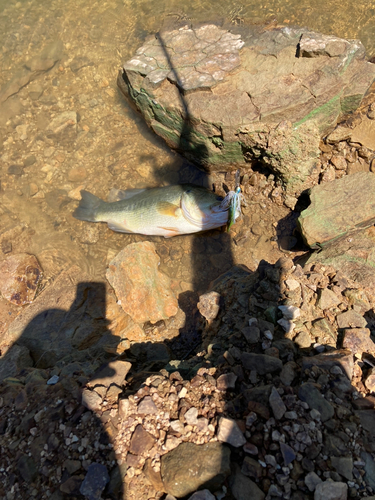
[166,211]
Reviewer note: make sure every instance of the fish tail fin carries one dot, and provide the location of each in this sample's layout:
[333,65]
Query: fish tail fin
[88,207]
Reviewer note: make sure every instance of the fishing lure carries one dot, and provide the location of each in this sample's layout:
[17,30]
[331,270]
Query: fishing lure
[232,202]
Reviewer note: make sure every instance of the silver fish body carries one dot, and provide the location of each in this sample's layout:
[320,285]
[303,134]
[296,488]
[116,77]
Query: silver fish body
[166,211]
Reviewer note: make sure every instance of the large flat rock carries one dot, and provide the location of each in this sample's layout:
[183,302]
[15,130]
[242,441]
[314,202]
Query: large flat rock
[338,208]
[226,98]
[142,290]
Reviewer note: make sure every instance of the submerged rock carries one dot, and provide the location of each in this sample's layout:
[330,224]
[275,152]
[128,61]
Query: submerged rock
[20,277]
[212,94]
[144,292]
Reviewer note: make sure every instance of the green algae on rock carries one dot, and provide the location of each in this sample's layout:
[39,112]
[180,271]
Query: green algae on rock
[224,99]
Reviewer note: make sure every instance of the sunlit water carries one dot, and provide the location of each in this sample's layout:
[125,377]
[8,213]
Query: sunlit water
[41,175]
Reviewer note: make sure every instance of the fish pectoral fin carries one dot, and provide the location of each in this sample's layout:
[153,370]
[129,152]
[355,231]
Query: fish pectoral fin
[120,194]
[117,227]
[167,208]
[170,231]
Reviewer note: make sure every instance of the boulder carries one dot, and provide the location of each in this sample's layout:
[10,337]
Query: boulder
[143,292]
[338,208]
[190,467]
[354,256]
[224,98]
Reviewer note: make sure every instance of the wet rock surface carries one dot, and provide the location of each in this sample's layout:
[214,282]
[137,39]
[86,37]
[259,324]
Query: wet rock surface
[248,114]
[20,276]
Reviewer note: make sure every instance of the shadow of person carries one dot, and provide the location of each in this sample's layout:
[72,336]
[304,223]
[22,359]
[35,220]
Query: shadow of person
[52,445]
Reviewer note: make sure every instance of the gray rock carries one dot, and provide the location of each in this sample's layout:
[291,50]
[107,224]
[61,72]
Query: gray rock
[252,468]
[219,138]
[27,468]
[243,488]
[95,480]
[287,453]
[303,339]
[288,373]
[91,400]
[49,333]
[251,334]
[16,358]
[334,210]
[202,495]
[330,490]
[369,468]
[327,299]
[351,319]
[342,358]
[344,466]
[147,406]
[277,404]
[189,466]
[229,432]
[191,416]
[262,363]
[358,340]
[311,395]
[312,480]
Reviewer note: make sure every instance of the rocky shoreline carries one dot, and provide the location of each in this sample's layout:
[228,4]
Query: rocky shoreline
[270,393]
[278,408]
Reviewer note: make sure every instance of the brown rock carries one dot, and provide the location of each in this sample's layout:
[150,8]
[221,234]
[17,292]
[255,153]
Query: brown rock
[327,299]
[189,466]
[370,380]
[342,358]
[358,341]
[351,319]
[153,476]
[144,292]
[141,441]
[20,276]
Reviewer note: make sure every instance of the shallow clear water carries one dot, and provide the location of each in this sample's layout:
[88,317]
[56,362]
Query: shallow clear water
[109,146]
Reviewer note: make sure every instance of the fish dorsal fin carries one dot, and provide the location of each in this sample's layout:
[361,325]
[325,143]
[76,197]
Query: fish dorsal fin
[167,208]
[121,194]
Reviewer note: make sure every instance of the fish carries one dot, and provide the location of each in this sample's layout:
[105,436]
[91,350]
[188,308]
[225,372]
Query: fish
[163,211]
